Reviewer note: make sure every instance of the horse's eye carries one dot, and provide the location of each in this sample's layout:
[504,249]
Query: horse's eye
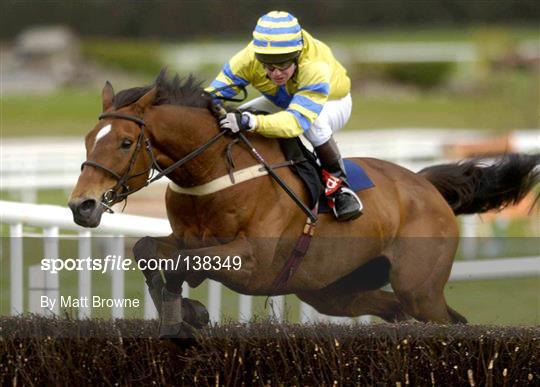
[126,143]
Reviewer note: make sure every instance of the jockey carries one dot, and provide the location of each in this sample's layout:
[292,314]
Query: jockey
[305,90]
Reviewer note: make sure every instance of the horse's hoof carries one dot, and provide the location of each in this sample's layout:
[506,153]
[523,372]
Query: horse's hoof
[195,313]
[180,330]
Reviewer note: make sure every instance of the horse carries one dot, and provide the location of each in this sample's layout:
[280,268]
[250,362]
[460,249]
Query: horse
[407,236]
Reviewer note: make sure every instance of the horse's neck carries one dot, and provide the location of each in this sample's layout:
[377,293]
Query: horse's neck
[177,131]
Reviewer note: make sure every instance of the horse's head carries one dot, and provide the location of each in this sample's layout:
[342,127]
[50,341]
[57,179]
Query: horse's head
[116,161]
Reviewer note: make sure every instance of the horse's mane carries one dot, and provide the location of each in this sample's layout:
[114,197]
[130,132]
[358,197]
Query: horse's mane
[176,91]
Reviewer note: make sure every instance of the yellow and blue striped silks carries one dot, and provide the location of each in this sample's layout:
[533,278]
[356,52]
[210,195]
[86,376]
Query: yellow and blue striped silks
[319,77]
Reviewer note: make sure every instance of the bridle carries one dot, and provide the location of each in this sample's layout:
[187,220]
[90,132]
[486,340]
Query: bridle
[121,190]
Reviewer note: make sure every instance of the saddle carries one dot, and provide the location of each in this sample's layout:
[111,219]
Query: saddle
[306,167]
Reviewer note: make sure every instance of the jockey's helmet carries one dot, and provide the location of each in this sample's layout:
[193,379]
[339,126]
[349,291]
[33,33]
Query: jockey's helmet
[277,38]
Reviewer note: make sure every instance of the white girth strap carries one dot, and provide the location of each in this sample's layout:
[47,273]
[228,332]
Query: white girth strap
[221,182]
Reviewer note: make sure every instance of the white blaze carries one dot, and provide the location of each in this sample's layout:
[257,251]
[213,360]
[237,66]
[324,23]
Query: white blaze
[102,133]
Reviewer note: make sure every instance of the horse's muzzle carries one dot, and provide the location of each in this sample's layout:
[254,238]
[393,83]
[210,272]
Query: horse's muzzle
[86,211]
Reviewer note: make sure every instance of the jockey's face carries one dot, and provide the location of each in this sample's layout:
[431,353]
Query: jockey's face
[280,73]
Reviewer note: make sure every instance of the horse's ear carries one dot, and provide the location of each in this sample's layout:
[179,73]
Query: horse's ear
[107,96]
[146,100]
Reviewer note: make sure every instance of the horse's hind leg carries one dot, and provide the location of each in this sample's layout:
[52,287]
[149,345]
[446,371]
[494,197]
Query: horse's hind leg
[420,269]
[373,302]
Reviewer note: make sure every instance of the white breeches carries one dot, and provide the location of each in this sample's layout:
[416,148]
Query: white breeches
[334,115]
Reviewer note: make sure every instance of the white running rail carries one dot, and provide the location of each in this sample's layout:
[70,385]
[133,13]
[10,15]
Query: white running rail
[52,219]
[30,165]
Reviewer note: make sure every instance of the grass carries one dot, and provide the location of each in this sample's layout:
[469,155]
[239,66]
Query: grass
[68,112]
[510,102]
[499,302]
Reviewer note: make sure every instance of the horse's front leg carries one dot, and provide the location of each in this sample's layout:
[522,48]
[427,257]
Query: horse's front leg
[145,251]
[231,263]
[180,263]
[150,249]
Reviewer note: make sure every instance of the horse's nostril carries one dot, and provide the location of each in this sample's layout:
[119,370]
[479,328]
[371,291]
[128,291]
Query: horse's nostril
[87,207]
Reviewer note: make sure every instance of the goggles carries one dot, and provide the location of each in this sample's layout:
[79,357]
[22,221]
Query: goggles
[279,66]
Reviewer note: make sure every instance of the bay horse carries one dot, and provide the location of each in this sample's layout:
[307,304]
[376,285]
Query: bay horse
[407,235]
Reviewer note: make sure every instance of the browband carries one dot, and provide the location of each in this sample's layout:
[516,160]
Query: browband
[123,116]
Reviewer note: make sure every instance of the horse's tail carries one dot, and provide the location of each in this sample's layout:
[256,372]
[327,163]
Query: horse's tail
[480,185]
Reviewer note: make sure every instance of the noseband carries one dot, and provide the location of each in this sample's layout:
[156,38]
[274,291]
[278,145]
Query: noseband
[122,190]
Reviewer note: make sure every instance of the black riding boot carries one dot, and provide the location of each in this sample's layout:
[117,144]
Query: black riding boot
[346,204]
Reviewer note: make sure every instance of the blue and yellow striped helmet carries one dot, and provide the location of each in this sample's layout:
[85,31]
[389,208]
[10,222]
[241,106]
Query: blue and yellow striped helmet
[277,33]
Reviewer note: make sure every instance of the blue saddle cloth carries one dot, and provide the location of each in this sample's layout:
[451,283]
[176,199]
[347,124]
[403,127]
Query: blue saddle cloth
[358,179]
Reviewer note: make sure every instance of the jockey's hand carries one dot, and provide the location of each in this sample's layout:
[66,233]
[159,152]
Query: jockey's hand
[236,122]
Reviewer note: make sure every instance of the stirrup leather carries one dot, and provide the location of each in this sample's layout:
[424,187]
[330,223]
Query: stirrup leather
[332,183]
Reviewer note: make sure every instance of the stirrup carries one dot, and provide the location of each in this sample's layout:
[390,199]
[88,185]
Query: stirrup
[351,215]
[349,191]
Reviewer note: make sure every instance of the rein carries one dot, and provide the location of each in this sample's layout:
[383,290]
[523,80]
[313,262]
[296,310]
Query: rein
[122,190]
[112,195]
